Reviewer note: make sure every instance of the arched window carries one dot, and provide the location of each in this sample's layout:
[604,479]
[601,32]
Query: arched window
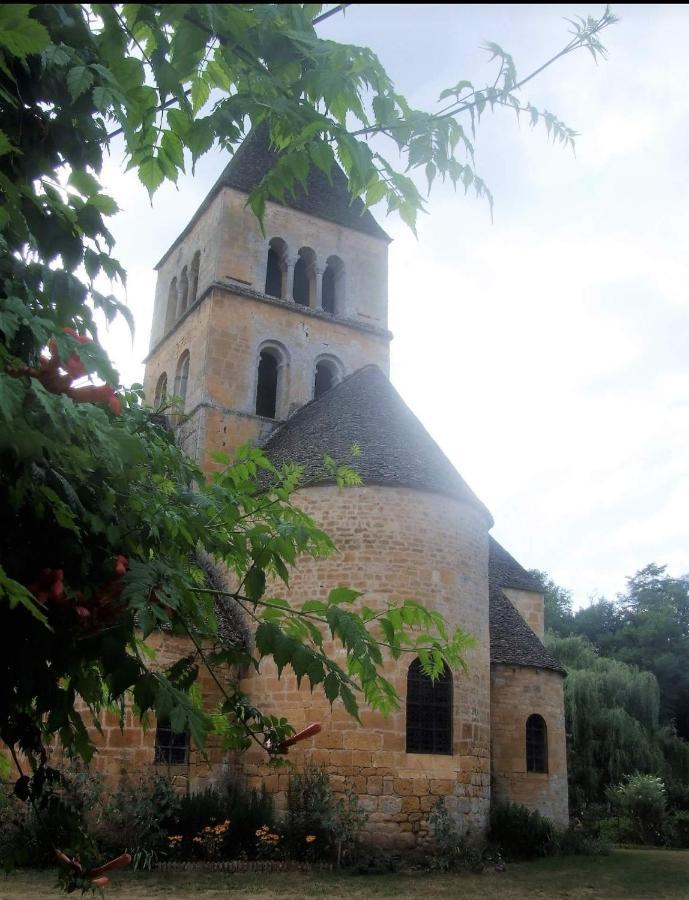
[326,377]
[267,384]
[182,376]
[194,277]
[183,292]
[276,268]
[333,286]
[304,287]
[171,312]
[536,744]
[161,391]
[429,711]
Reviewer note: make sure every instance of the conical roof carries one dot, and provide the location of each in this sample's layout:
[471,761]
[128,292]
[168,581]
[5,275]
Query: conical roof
[323,197]
[396,450]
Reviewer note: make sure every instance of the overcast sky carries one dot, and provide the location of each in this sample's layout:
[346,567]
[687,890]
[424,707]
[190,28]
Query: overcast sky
[547,351]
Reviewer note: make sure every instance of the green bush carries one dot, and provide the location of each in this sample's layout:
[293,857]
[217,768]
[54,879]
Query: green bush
[520,833]
[453,849]
[678,829]
[643,799]
[135,818]
[318,826]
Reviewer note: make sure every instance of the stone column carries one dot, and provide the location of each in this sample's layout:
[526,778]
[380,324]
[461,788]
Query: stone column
[288,279]
[318,299]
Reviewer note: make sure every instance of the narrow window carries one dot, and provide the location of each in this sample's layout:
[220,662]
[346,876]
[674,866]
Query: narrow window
[182,376]
[304,287]
[333,286]
[183,292]
[429,711]
[267,386]
[276,268]
[161,391]
[536,744]
[194,277]
[326,378]
[171,312]
[171,747]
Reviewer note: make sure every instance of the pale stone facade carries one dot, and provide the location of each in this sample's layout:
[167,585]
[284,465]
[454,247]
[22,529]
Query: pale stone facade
[414,530]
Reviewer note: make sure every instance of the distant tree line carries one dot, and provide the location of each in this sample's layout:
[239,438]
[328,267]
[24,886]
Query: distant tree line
[627,685]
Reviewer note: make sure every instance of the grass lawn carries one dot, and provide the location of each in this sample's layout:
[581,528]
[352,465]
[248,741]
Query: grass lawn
[628,874]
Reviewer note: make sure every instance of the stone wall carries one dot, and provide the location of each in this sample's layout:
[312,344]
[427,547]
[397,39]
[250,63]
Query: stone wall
[516,693]
[395,543]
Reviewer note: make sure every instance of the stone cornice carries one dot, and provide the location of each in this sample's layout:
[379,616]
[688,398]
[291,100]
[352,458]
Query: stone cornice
[242,290]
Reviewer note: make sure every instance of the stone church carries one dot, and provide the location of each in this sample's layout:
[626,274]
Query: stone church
[281,339]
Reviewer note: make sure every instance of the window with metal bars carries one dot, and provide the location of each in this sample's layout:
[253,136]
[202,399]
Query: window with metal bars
[429,711]
[171,747]
[536,744]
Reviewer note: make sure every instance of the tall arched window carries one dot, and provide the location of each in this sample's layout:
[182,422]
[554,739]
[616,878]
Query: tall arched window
[267,384]
[171,312]
[194,277]
[161,391]
[429,711]
[182,376]
[183,291]
[276,268]
[333,286]
[326,377]
[304,287]
[536,744]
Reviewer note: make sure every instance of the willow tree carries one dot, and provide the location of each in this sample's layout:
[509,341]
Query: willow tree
[101,516]
[612,715]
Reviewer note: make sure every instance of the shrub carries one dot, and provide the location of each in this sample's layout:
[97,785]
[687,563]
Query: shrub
[578,842]
[643,799]
[678,829]
[135,818]
[453,849]
[316,824]
[520,833]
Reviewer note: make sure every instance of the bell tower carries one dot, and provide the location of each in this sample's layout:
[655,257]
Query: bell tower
[249,326]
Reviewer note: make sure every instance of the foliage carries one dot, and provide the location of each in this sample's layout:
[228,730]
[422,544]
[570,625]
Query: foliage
[134,817]
[612,717]
[246,812]
[557,603]
[310,810]
[454,849]
[643,799]
[101,515]
[520,833]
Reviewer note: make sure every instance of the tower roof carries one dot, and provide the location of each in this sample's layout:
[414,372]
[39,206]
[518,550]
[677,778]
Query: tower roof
[396,450]
[325,198]
[507,572]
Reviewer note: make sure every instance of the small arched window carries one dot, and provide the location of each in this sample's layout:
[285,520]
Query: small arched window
[333,286]
[429,711]
[326,377]
[267,384]
[182,376]
[536,744]
[183,292]
[276,268]
[161,391]
[304,287]
[171,312]
[194,277]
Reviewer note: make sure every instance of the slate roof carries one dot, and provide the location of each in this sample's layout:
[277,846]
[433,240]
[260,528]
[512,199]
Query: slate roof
[250,162]
[506,571]
[396,449]
[512,641]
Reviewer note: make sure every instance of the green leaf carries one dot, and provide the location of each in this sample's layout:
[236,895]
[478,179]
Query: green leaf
[79,80]
[104,204]
[200,92]
[19,33]
[342,595]
[6,145]
[151,175]
[84,182]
